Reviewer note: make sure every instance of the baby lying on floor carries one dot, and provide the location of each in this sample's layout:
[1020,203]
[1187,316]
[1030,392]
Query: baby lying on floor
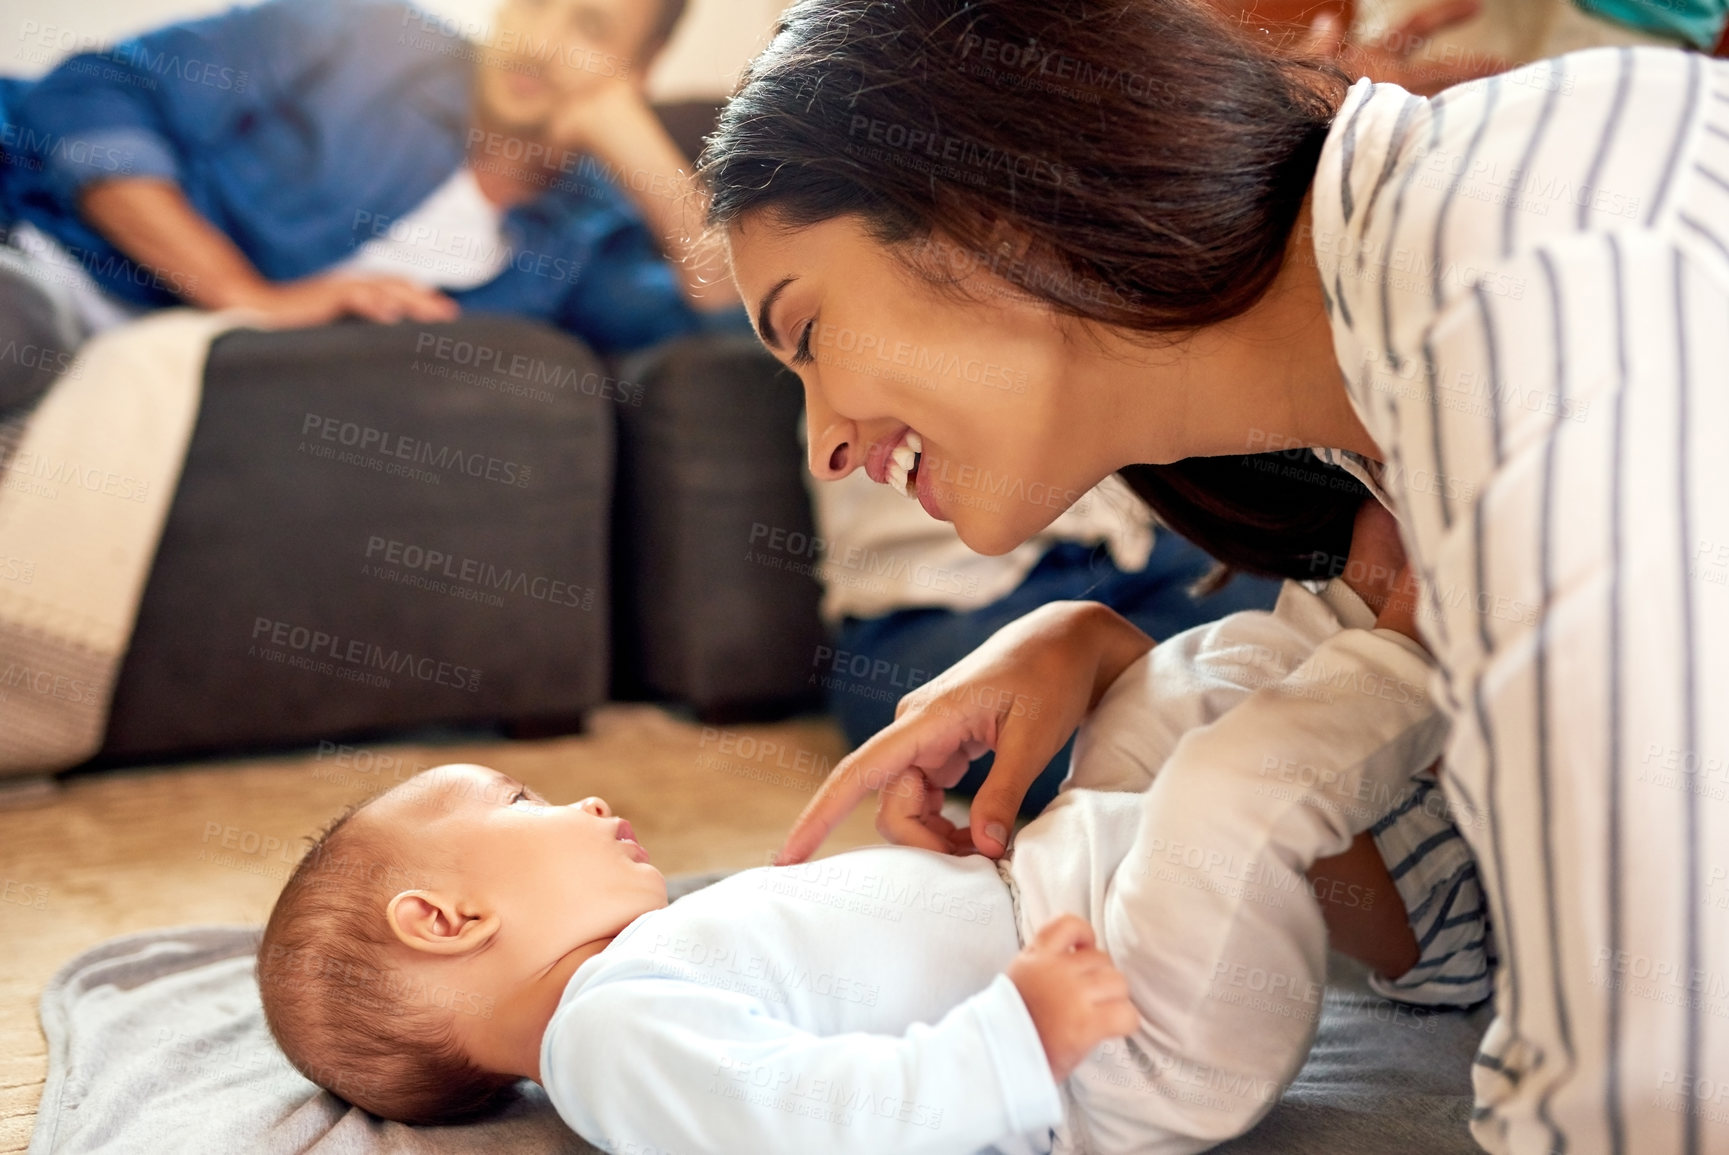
[459,932]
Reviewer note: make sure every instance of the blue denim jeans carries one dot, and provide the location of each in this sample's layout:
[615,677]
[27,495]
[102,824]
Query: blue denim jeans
[909,647]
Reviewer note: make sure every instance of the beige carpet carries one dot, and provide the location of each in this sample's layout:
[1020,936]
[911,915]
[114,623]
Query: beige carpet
[109,853]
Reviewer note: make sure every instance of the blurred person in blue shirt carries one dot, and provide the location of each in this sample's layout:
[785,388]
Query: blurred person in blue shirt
[316,159]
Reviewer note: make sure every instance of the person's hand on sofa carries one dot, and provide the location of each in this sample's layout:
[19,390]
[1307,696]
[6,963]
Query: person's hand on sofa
[150,220]
[327,297]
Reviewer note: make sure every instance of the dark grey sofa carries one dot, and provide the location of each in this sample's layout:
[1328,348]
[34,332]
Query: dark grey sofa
[301,591]
[602,559]
[709,459]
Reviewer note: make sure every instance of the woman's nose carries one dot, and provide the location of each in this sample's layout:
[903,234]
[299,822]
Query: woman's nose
[833,440]
[833,448]
[596,807]
[833,466]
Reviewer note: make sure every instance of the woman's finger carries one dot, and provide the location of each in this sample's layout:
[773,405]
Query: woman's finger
[932,814]
[956,839]
[904,813]
[961,842]
[945,777]
[998,800]
[916,739]
[827,809]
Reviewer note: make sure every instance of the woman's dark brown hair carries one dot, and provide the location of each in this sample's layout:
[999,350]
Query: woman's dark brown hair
[1147,156]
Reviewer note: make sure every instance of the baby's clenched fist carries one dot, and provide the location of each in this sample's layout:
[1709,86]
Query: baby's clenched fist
[1077,999]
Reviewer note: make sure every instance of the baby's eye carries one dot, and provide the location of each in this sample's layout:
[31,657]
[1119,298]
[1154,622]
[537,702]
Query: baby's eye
[519,796]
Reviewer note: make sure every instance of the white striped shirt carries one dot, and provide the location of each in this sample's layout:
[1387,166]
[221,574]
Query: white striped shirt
[1528,278]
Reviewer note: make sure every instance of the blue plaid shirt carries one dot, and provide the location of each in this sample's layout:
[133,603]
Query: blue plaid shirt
[297,127]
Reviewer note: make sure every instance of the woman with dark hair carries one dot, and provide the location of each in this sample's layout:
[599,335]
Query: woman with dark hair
[903,596]
[1255,291]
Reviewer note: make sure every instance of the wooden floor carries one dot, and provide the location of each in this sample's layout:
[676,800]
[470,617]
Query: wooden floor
[108,853]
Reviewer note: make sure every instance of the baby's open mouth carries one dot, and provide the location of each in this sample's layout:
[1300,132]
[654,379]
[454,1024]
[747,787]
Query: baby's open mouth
[626,835]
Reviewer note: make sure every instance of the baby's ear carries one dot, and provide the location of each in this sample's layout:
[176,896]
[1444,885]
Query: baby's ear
[430,921]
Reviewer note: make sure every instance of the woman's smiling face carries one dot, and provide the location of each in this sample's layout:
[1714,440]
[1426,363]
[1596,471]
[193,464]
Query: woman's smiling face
[972,375]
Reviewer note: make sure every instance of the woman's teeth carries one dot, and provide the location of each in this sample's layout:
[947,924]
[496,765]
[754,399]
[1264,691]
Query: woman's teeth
[902,469]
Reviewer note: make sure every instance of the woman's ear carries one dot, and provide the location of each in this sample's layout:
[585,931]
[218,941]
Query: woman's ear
[1006,244]
[433,922]
[1002,247]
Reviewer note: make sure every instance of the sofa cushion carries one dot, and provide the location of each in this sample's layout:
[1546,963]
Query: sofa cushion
[378,527]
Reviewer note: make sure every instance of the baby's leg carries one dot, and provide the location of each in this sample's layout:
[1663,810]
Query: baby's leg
[1442,898]
[1125,740]
[1188,681]
[1210,916]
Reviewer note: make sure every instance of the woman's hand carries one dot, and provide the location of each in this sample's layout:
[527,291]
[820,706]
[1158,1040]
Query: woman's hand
[1021,694]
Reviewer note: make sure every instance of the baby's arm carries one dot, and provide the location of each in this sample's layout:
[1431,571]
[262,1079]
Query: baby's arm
[1193,678]
[675,1066]
[1077,999]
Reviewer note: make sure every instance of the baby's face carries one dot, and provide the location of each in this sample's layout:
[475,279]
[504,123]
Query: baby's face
[559,875]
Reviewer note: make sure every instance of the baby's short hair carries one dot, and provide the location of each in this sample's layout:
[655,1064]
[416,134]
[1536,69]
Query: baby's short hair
[346,1015]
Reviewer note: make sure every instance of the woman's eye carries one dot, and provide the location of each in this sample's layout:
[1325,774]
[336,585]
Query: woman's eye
[802,355]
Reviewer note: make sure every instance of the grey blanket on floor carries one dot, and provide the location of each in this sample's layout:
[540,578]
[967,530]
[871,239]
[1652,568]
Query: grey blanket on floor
[156,1042]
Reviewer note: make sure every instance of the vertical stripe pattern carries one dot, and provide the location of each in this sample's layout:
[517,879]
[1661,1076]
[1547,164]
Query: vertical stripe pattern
[1540,347]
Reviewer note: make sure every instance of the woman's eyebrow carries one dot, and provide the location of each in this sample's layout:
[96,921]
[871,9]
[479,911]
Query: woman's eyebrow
[763,325]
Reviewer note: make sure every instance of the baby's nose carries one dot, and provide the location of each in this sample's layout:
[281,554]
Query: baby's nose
[596,807]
